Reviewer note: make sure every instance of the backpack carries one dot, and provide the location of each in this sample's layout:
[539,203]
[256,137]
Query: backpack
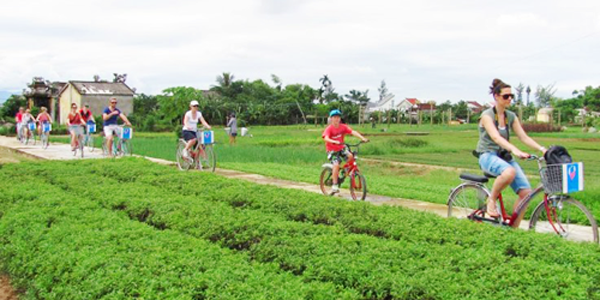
[557,155]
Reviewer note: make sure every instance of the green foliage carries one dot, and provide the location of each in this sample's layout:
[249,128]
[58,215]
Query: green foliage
[141,230]
[11,106]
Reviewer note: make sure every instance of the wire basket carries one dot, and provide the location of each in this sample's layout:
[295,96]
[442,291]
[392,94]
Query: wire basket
[552,178]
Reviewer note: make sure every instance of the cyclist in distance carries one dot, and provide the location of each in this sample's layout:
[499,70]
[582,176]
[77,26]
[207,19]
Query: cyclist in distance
[110,115]
[496,151]
[19,121]
[42,118]
[75,123]
[190,126]
[334,144]
[86,114]
[27,119]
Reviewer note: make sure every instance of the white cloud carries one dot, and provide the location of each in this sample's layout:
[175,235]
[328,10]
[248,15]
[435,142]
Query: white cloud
[431,49]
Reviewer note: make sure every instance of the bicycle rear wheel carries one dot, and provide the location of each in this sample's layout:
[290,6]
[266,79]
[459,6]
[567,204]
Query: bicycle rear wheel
[566,217]
[208,160]
[358,186]
[182,162]
[468,200]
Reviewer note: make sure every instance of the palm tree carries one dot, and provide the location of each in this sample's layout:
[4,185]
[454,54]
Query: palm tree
[224,83]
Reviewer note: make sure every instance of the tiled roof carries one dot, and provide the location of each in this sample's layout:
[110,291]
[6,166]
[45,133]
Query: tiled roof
[102,88]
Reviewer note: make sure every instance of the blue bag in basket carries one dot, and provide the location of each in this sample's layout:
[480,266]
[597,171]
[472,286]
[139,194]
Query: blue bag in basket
[91,127]
[126,133]
[207,138]
[31,126]
[572,177]
[46,127]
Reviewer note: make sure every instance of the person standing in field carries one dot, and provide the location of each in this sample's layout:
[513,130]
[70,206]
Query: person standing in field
[43,118]
[110,117]
[232,124]
[334,144]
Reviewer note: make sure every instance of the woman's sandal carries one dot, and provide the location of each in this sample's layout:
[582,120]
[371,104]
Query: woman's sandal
[492,211]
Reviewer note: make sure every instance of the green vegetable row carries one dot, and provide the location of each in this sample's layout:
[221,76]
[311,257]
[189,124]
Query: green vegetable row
[381,252]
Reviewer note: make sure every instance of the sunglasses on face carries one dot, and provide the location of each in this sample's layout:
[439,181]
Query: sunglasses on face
[114,102]
[194,105]
[507,96]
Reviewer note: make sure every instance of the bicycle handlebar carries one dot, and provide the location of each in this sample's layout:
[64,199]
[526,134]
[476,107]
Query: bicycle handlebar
[356,145]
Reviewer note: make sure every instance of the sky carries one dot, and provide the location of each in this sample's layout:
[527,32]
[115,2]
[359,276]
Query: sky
[429,49]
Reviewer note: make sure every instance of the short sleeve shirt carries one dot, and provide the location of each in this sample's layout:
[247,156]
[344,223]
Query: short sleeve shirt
[19,117]
[336,134]
[113,119]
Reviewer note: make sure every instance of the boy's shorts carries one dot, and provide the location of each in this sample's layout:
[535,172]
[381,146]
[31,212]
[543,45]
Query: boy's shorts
[336,157]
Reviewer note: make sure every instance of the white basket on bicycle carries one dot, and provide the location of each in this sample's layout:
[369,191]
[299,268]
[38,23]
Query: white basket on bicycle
[206,137]
[31,126]
[126,133]
[562,178]
[91,127]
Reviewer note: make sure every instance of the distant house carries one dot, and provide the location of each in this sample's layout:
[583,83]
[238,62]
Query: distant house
[544,115]
[475,107]
[407,104]
[426,107]
[96,94]
[44,93]
[384,104]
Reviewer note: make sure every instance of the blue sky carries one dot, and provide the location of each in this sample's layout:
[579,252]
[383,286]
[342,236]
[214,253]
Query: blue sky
[429,49]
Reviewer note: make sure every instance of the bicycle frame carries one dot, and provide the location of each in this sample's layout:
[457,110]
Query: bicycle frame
[509,220]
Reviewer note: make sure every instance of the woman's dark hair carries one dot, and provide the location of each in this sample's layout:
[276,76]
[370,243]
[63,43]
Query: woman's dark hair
[497,86]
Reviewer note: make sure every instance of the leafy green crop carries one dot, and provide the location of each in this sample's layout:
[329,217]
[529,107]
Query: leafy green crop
[129,228]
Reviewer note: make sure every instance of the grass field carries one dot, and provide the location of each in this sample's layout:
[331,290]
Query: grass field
[297,153]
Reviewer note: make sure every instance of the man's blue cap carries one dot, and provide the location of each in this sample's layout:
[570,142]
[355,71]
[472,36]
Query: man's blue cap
[335,112]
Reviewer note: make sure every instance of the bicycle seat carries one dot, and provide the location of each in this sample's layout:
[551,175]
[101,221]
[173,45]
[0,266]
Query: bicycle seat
[473,177]
[489,175]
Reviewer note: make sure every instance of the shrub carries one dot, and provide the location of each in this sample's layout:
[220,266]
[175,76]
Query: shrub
[541,127]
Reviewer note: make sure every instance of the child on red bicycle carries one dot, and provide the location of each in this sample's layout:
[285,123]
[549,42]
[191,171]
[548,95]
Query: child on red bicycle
[334,144]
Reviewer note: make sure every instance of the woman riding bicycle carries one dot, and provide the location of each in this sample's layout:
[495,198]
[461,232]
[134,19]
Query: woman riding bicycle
[27,119]
[75,123]
[494,147]
[190,126]
[43,118]
[110,116]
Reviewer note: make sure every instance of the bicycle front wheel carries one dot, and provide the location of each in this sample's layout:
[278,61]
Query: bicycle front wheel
[90,143]
[80,145]
[468,200]
[566,217]
[126,147]
[44,140]
[182,162]
[208,160]
[326,181]
[358,186]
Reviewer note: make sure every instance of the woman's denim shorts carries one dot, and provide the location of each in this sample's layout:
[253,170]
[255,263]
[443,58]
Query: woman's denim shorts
[491,163]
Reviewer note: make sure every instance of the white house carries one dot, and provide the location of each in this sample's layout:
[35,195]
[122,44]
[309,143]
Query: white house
[384,104]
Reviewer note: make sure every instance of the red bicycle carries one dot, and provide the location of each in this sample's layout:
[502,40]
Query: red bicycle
[358,183]
[556,212]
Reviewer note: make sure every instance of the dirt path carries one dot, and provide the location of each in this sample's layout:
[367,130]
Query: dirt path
[6,290]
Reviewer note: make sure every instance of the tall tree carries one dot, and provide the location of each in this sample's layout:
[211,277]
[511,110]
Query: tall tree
[383,90]
[519,89]
[544,95]
[528,92]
